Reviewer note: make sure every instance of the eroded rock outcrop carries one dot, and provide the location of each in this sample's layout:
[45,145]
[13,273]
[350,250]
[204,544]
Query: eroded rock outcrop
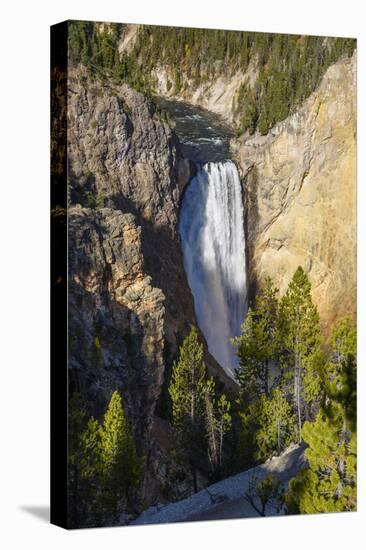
[300,184]
[129,300]
[116,316]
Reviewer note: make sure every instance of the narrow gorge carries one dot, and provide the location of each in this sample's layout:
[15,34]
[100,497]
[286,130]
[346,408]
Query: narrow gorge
[189,184]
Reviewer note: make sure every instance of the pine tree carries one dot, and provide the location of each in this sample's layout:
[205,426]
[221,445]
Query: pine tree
[120,465]
[301,340]
[258,349]
[223,423]
[109,462]
[263,124]
[218,424]
[276,425]
[340,372]
[91,454]
[211,433]
[77,420]
[329,484]
[186,391]
[258,345]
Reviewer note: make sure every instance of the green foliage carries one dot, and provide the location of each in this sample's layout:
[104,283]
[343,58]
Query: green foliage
[96,47]
[340,372]
[266,418]
[263,124]
[200,419]
[329,484]
[245,109]
[109,462]
[91,450]
[218,424]
[258,345]
[119,464]
[89,199]
[99,201]
[187,384]
[281,365]
[264,493]
[186,394]
[290,66]
[301,337]
[276,425]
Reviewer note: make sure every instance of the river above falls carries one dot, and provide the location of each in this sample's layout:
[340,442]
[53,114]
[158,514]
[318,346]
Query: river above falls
[211,229]
[203,136]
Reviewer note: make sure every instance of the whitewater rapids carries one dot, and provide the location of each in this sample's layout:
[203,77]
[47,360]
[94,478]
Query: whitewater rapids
[213,241]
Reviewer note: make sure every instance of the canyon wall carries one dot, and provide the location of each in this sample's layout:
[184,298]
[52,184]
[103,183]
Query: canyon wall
[300,188]
[216,95]
[129,301]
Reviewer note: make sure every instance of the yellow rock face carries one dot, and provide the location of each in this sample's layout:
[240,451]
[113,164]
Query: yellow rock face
[301,196]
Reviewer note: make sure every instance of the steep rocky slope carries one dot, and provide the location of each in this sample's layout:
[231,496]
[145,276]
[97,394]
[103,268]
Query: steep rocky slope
[216,95]
[129,301]
[300,185]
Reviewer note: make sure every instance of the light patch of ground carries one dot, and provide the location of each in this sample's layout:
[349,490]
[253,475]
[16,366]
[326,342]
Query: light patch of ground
[226,499]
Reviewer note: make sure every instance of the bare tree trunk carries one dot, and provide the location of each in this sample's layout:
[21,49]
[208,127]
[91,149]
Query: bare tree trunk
[211,432]
[299,405]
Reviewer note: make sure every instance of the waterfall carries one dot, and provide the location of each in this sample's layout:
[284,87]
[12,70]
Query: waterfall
[213,242]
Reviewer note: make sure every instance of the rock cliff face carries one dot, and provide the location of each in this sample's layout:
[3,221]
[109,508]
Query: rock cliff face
[129,301]
[300,186]
[216,95]
[116,316]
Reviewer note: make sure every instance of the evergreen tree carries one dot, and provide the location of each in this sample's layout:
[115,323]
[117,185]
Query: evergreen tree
[186,391]
[91,461]
[77,420]
[223,424]
[213,445]
[340,372]
[301,340]
[276,425]
[263,124]
[258,345]
[329,484]
[109,462]
[258,349]
[120,465]
[218,424]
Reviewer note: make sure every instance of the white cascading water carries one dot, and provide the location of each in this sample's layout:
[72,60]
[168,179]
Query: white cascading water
[212,234]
